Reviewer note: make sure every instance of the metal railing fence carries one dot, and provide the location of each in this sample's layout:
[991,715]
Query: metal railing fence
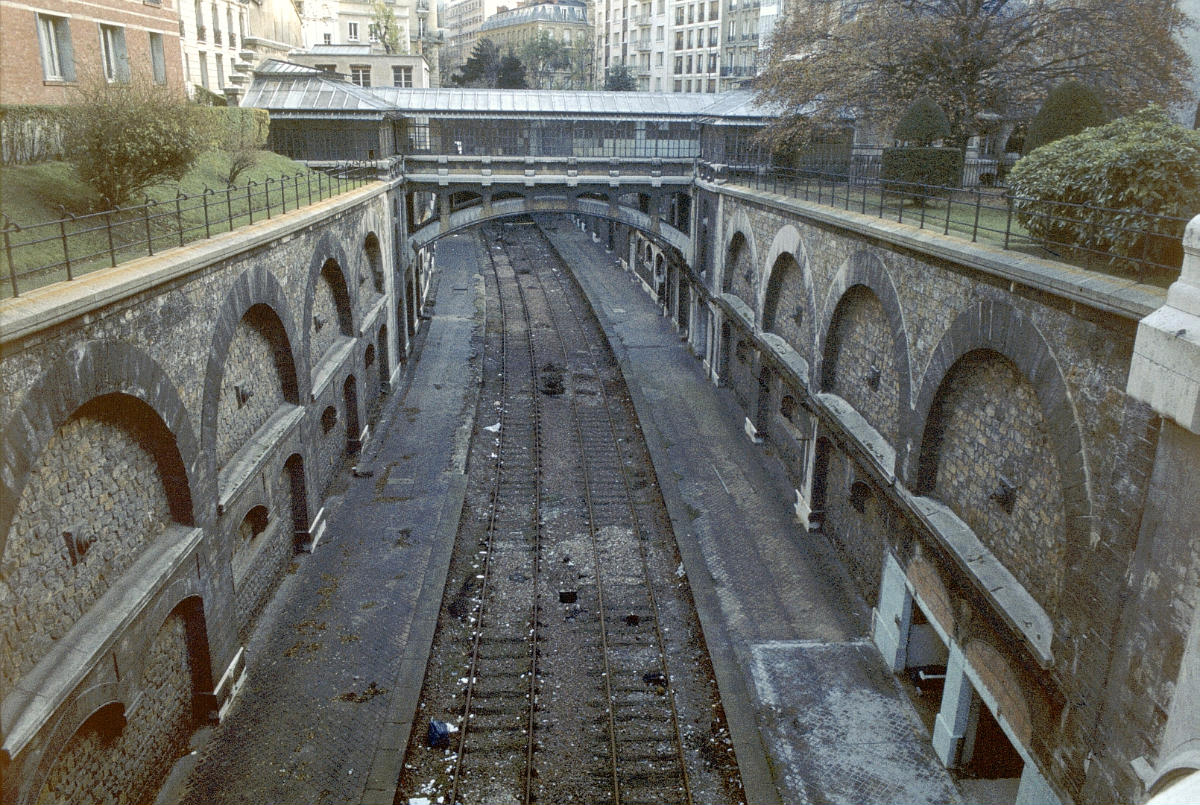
[52,251]
[1148,245]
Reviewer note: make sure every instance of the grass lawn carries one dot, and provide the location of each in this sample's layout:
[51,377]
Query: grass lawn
[33,195]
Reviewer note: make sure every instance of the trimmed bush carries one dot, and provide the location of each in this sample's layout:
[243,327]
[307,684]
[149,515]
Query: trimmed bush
[1125,172]
[941,167]
[1069,109]
[923,124]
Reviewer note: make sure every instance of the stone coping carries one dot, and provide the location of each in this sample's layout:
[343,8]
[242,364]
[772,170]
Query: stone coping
[53,304]
[873,445]
[250,458]
[330,362]
[1011,599]
[1123,297]
[39,694]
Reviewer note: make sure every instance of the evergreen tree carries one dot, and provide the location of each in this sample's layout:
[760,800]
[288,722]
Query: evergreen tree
[923,124]
[1069,109]
[511,73]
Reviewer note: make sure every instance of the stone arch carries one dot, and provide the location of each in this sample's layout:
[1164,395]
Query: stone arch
[994,416]
[996,326]
[788,269]
[328,257]
[374,255]
[254,288]
[867,270]
[154,738]
[738,235]
[97,369]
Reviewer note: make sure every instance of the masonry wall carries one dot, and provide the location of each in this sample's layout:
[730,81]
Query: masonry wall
[172,415]
[975,383]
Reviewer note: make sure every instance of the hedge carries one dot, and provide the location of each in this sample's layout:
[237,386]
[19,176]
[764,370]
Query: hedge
[940,167]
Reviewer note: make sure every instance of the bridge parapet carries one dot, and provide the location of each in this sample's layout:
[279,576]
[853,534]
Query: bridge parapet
[564,171]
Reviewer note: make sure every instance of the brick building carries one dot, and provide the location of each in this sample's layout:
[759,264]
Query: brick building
[51,46]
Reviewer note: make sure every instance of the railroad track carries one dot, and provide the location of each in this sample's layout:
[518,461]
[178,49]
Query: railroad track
[552,658]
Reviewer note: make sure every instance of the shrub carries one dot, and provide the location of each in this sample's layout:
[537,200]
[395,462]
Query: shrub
[1069,109]
[30,133]
[123,138]
[1126,171]
[923,124]
[941,167]
[240,132]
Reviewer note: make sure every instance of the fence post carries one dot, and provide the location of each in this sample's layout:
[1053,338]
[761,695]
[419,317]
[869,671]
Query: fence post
[112,251]
[296,184]
[249,201]
[267,195]
[207,226]
[179,196]
[308,186]
[975,226]
[146,221]
[62,233]
[7,226]
[1008,219]
[229,204]
[949,207]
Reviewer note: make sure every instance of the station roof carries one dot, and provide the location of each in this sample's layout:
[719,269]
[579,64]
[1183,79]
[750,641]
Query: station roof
[291,90]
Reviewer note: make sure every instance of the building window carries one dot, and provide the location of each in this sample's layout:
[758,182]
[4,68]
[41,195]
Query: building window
[220,72]
[158,62]
[352,31]
[712,36]
[678,65]
[714,9]
[712,62]
[679,40]
[360,74]
[204,69]
[54,37]
[329,68]
[402,76]
[679,15]
[229,26]
[327,38]
[112,51]
[658,59]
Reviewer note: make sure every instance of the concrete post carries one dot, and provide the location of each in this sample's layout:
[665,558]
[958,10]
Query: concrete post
[893,617]
[952,720]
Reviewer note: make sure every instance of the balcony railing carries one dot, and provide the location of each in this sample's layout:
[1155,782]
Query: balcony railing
[53,251]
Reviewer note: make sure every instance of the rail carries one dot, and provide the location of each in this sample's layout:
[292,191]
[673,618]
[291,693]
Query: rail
[608,436]
[1148,245]
[64,249]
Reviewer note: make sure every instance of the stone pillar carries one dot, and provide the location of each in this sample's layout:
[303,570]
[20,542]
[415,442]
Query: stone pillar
[952,720]
[893,617]
[1165,372]
[1034,790]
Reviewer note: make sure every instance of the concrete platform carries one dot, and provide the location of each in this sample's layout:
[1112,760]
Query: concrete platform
[815,716]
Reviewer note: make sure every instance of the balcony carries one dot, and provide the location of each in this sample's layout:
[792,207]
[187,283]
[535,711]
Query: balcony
[216,37]
[641,45]
[201,33]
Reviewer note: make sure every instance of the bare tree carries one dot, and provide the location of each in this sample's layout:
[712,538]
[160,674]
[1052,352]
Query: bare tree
[869,59]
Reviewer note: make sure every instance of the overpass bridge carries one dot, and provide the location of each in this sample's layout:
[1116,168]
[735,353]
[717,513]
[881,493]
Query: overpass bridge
[465,156]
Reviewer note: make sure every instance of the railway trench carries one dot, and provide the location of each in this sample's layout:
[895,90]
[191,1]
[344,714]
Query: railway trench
[568,661]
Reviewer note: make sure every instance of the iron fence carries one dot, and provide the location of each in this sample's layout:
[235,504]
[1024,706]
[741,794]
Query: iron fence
[1148,245]
[53,251]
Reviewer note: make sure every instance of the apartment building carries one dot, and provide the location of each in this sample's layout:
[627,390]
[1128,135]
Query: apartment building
[49,46]
[347,22]
[703,46]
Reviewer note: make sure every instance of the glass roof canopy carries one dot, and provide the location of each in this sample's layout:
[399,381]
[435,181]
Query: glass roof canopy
[294,91]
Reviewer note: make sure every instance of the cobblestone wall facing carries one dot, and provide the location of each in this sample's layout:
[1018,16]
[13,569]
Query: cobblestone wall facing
[99,470]
[105,764]
[785,309]
[859,363]
[252,385]
[992,431]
